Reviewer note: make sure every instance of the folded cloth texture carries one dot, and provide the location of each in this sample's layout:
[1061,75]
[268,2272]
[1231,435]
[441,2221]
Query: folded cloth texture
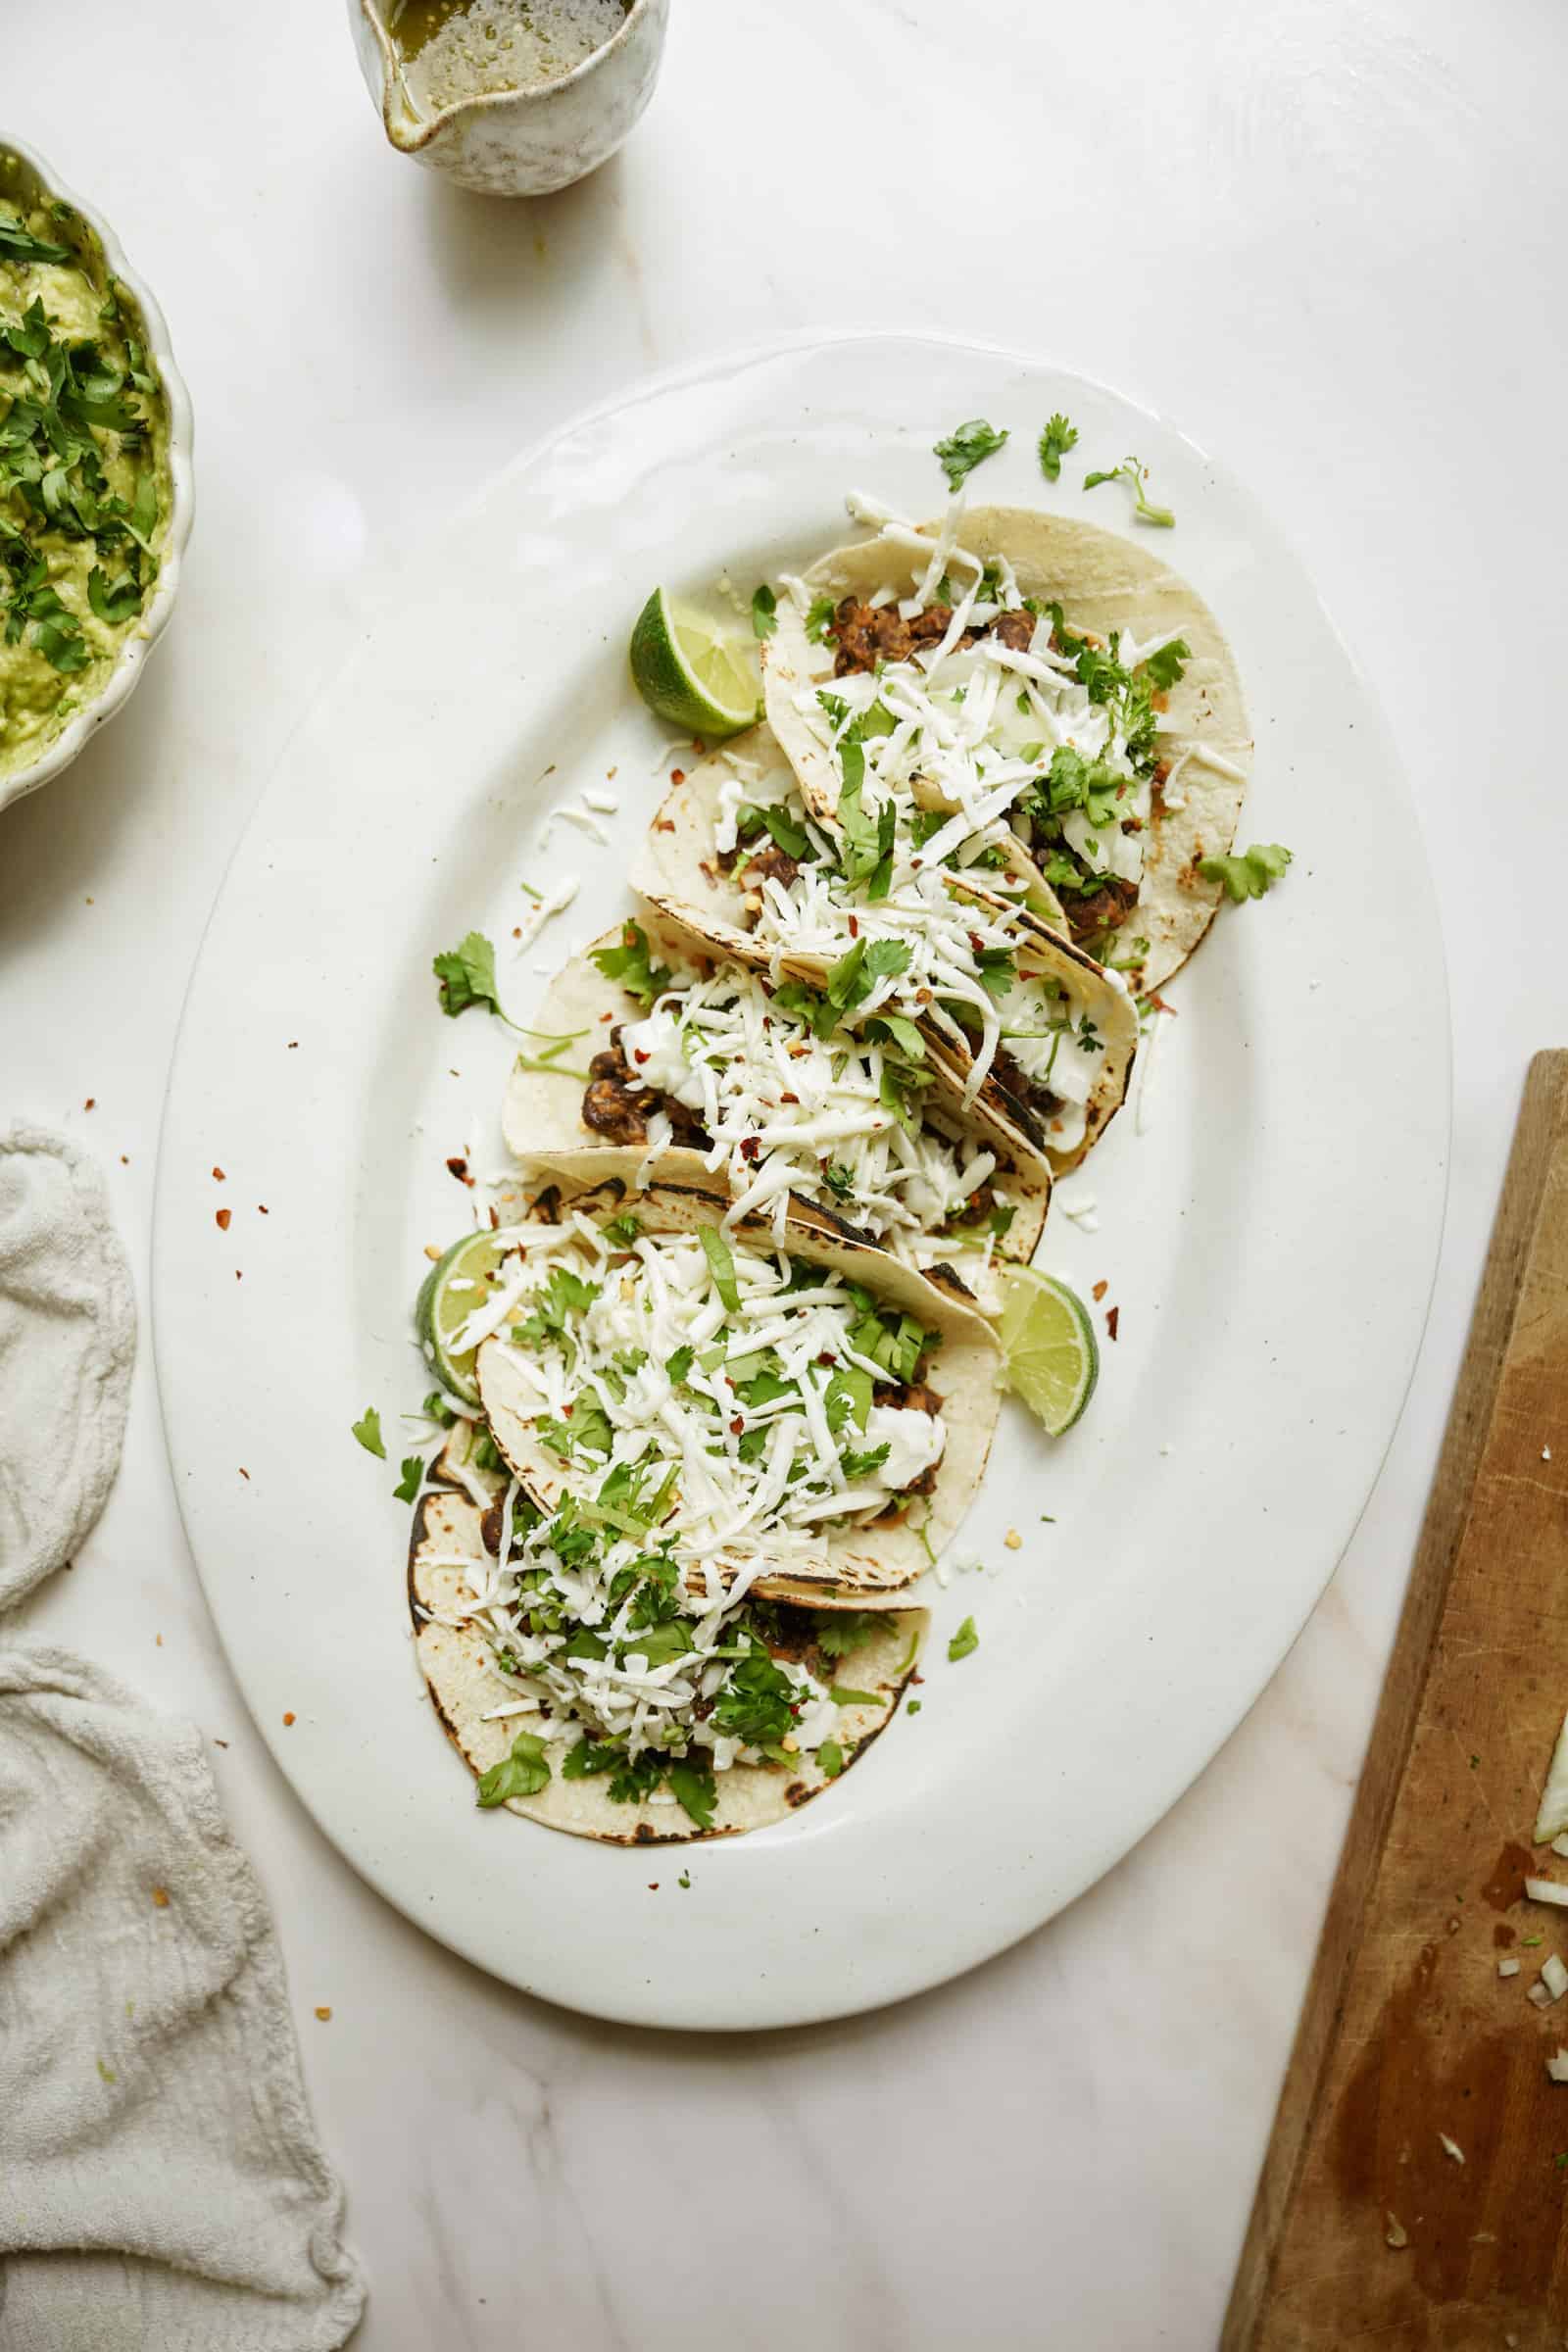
[161,2181]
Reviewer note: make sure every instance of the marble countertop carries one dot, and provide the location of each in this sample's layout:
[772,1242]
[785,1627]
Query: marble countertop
[1324,239]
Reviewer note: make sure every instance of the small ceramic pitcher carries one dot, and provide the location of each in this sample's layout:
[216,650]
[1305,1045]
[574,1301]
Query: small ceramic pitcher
[527,141]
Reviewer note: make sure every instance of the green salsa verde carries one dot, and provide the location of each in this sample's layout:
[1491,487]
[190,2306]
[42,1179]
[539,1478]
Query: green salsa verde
[84,484]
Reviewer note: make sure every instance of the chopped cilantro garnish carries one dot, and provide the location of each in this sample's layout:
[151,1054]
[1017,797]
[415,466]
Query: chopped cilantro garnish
[467,975]
[1167,667]
[1135,474]
[692,1784]
[521,1774]
[775,819]
[830,1756]
[914,1707]
[819,618]
[18,244]
[839,1631]
[368,1432]
[966,447]
[622,1231]
[852,1698]
[764,611]
[680,1364]
[437,1410]
[1250,874]
[964,1642]
[412,1477]
[1054,442]
[631,964]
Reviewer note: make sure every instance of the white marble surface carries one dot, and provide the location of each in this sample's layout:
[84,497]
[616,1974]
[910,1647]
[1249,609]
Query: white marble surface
[1327,241]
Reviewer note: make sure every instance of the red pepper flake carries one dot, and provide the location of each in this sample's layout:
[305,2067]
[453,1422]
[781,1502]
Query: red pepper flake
[244,1473]
[751,1146]
[737,1427]
[124,1159]
[91,1102]
[855,927]
[638,1055]
[1099,1290]
[219,1743]
[293,1045]
[665,824]
[517,930]
[607,1016]
[1113,1318]
[495,1218]
[677,775]
[787,1098]
[238,1276]
[567,1412]
[458,1166]
[288,1719]
[262,1209]
[826,1357]
[224,1219]
[977,942]
[161,1897]
[653,1886]
[219,1177]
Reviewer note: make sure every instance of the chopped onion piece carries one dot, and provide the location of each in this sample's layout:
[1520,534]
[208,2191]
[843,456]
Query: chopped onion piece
[1552,1818]
[1451,2147]
[1557,2067]
[1508,1968]
[1547,1890]
[1539,1995]
[1555,1977]
[1398,2235]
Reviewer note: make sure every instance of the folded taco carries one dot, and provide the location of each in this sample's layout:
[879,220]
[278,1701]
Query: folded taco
[590,1686]
[706,1073]
[809,1421]
[899,914]
[1024,669]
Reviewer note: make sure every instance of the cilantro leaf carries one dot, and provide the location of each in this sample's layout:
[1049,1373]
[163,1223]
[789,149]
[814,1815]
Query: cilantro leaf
[788,836]
[693,1788]
[964,1642]
[830,1756]
[1054,442]
[853,1698]
[467,975]
[844,1630]
[622,1231]
[1135,476]
[521,1774]
[966,447]
[818,618]
[680,1364]
[412,1477]
[1250,874]
[757,1701]
[368,1432]
[18,244]
[764,611]
[631,964]
[1170,665]
[721,1263]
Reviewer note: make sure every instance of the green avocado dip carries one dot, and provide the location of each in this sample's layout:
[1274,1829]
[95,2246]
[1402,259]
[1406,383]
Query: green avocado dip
[84,485]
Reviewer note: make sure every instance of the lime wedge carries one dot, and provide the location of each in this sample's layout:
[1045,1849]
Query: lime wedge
[692,674]
[1049,1355]
[459,1281]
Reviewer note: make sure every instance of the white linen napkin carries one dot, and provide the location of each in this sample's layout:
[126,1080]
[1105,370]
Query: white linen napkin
[161,2181]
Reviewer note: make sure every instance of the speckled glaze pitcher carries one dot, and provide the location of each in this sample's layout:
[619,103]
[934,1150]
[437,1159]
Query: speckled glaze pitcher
[523,142]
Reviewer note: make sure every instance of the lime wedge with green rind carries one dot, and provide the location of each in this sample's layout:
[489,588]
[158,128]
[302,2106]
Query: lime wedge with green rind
[1050,1354]
[459,1281]
[691,673]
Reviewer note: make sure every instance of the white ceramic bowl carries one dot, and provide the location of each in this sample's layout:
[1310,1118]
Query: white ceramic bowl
[525,142]
[34,179]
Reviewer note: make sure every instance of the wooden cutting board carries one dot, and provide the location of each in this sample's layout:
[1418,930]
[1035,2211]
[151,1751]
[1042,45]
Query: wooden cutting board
[1408,2033]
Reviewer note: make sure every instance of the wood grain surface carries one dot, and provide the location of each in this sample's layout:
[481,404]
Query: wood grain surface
[1408,2033]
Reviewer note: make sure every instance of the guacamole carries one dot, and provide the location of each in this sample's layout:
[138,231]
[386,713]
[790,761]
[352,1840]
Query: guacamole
[84,484]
